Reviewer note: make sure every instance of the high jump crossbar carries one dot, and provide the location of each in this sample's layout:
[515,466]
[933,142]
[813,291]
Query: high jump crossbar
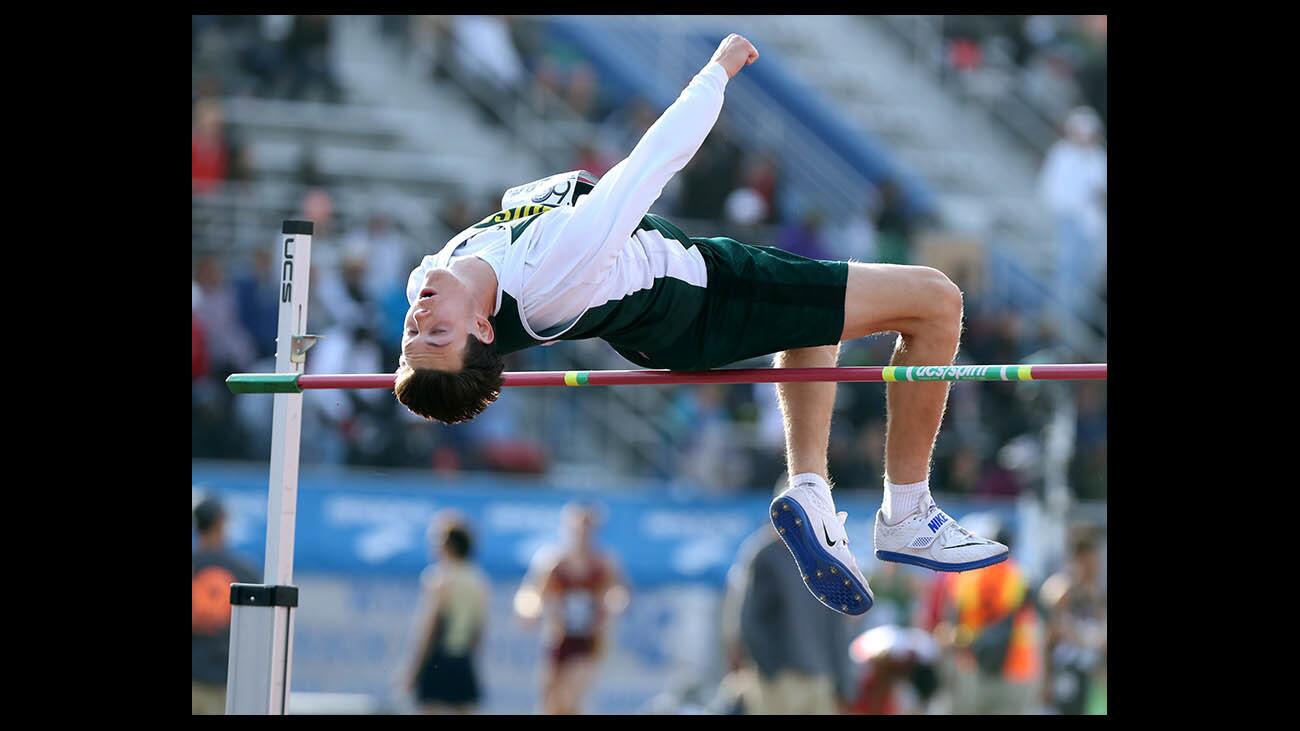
[262,615]
[297,383]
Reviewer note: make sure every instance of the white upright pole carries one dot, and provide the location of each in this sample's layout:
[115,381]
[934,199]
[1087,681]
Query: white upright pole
[261,626]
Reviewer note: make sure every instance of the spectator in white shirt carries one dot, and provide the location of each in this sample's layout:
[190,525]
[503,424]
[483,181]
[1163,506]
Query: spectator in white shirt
[1072,185]
[484,48]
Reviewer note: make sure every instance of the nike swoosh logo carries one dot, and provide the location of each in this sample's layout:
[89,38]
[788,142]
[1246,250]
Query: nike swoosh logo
[829,542]
[962,545]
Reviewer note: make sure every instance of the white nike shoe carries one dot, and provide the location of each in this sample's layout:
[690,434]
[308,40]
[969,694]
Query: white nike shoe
[808,524]
[930,538]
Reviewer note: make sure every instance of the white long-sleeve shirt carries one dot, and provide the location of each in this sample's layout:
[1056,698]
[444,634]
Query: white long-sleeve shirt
[603,267]
[1073,182]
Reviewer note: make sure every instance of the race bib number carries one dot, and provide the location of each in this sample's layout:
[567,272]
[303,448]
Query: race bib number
[579,613]
[562,189]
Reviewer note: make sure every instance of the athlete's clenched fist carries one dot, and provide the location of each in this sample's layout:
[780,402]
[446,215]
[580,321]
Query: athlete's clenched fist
[734,53]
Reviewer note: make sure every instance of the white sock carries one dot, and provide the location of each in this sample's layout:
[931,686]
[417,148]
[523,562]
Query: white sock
[817,482]
[902,500]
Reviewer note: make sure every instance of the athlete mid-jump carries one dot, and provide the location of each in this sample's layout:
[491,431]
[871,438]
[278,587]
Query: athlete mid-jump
[571,258]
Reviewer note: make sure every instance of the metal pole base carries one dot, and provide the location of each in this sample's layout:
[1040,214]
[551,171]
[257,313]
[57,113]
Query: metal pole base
[261,640]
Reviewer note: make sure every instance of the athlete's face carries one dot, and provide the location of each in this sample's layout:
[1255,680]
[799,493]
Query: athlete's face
[439,321]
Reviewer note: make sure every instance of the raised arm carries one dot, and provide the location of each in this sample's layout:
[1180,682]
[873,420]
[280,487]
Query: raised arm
[607,216]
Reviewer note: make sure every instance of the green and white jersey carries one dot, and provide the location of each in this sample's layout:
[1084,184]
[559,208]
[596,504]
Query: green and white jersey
[602,267]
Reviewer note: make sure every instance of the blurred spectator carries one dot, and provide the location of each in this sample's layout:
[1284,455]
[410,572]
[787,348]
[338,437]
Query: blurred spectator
[898,670]
[423,42]
[214,569]
[257,297]
[564,81]
[964,425]
[503,442]
[308,56]
[209,154]
[198,346]
[739,689]
[1053,62]
[707,438]
[804,237]
[589,157]
[1075,602]
[341,292]
[576,589]
[318,207]
[388,259]
[709,177]
[896,588]
[264,57]
[754,203]
[854,235]
[308,173]
[483,52]
[762,177]
[969,471]
[997,480]
[627,124]
[993,634]
[456,215]
[1088,468]
[217,154]
[583,94]
[1092,64]
[964,55]
[350,426]
[963,471]
[862,465]
[450,623]
[745,207]
[484,49]
[229,347]
[220,346]
[396,28]
[797,645]
[1049,81]
[893,227]
[1072,186]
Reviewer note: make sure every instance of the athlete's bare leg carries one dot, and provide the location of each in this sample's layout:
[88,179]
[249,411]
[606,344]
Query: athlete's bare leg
[567,686]
[806,409]
[925,308]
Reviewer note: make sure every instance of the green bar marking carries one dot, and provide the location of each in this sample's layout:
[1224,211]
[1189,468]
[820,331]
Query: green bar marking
[263,383]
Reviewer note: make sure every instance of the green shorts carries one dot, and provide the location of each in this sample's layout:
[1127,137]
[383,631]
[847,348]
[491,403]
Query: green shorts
[760,300]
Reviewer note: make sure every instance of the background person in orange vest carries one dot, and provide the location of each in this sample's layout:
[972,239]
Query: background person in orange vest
[214,570]
[575,589]
[995,639]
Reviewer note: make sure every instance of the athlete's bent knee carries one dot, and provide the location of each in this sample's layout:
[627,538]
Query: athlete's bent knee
[942,297]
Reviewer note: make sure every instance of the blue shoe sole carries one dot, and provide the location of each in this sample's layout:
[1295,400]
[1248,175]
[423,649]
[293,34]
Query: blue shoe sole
[830,581]
[936,566]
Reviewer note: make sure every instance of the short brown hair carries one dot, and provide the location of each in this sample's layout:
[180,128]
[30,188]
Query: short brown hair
[453,397]
[458,541]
